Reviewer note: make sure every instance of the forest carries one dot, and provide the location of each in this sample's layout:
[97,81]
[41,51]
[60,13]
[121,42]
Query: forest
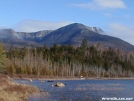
[67,61]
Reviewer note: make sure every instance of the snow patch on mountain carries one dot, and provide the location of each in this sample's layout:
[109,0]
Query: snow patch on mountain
[95,29]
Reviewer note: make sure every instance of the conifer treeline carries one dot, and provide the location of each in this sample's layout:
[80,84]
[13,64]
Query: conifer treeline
[69,61]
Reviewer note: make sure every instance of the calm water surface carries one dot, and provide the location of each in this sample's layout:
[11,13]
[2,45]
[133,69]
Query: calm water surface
[82,90]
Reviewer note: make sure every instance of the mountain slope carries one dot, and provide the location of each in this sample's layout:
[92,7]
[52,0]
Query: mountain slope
[69,34]
[73,34]
[10,37]
[34,36]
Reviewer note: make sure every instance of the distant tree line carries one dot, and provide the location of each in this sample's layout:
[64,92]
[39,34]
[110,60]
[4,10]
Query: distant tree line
[69,61]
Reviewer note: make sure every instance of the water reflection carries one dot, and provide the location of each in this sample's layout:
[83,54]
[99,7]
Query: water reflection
[81,90]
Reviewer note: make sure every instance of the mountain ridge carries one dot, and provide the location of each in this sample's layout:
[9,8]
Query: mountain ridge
[72,34]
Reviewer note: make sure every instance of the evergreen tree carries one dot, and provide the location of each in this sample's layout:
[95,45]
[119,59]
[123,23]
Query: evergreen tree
[84,44]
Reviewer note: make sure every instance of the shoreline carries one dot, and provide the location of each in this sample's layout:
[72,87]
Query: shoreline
[34,77]
[47,79]
[12,91]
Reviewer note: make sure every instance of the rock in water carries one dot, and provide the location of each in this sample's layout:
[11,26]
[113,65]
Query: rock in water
[59,84]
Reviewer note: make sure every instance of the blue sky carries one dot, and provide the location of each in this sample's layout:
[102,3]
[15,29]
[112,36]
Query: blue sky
[116,17]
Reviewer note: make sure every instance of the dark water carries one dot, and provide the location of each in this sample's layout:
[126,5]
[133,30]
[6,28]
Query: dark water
[82,90]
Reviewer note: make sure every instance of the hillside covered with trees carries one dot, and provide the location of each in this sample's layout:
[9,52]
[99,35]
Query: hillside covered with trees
[67,61]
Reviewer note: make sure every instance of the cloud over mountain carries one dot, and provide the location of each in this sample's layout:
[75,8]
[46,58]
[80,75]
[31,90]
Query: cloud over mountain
[35,25]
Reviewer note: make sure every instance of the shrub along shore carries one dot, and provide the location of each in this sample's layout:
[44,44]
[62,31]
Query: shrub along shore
[11,91]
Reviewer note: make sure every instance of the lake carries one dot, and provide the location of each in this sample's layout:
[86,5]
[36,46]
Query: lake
[82,90]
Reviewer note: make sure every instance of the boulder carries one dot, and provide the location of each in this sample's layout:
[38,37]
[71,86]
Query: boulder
[59,84]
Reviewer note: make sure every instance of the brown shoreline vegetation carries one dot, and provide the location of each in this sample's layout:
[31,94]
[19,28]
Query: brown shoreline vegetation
[11,91]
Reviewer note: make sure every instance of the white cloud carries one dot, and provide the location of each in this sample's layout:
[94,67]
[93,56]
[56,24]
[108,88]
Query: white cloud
[35,25]
[113,4]
[102,4]
[122,31]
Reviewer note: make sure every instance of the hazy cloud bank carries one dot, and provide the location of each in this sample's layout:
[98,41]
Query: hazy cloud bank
[35,25]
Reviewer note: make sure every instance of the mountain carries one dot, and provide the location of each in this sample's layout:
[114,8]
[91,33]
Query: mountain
[10,37]
[72,34]
[35,36]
